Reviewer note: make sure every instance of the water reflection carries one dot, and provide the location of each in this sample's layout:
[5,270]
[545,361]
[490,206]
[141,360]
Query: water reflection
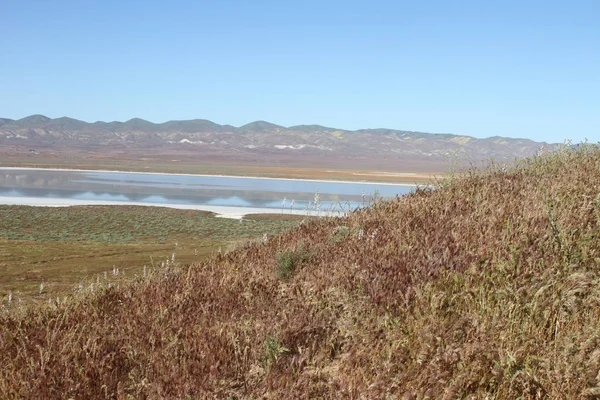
[189,190]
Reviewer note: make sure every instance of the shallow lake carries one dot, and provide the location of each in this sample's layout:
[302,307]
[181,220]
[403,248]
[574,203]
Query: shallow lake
[241,194]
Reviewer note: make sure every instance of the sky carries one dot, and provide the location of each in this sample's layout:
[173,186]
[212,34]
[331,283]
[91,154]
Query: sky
[522,68]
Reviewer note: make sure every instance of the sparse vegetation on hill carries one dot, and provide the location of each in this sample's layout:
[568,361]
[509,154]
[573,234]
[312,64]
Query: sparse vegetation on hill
[488,287]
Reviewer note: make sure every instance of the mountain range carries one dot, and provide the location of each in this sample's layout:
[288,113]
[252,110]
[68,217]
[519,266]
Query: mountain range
[364,148]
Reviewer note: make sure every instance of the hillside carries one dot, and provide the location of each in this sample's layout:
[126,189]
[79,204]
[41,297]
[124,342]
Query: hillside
[487,287]
[256,143]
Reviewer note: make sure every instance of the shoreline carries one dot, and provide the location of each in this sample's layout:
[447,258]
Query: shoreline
[204,175]
[230,212]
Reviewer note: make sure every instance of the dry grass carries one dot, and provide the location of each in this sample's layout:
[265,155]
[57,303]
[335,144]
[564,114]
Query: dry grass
[327,169]
[488,287]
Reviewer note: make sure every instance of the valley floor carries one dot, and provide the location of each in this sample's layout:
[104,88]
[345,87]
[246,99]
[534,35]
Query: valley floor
[185,164]
[62,248]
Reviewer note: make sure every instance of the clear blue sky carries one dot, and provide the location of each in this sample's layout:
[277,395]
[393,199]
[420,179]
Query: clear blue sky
[481,68]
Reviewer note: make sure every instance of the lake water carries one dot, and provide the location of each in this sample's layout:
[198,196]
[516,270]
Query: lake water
[236,195]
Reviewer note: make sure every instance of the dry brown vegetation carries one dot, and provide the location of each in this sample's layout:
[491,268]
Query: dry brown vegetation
[488,287]
[209,164]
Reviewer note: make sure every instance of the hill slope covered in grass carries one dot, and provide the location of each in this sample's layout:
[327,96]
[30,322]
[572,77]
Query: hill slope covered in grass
[488,287]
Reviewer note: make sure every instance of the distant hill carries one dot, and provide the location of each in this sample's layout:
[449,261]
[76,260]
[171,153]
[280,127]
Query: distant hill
[262,140]
[260,126]
[33,120]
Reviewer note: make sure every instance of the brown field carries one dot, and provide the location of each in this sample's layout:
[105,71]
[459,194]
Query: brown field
[227,164]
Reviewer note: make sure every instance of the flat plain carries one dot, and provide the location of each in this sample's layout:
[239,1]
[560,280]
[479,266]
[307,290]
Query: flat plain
[310,167]
[64,247]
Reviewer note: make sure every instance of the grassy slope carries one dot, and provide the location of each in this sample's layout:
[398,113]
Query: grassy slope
[485,288]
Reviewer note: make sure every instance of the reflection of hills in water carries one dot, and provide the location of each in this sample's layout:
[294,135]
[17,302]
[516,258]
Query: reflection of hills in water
[181,189]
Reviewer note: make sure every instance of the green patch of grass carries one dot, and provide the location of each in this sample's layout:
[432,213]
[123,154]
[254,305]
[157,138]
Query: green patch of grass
[126,224]
[340,234]
[272,350]
[289,260]
[61,246]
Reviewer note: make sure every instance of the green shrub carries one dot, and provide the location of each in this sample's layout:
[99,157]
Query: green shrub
[340,234]
[288,260]
[272,351]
